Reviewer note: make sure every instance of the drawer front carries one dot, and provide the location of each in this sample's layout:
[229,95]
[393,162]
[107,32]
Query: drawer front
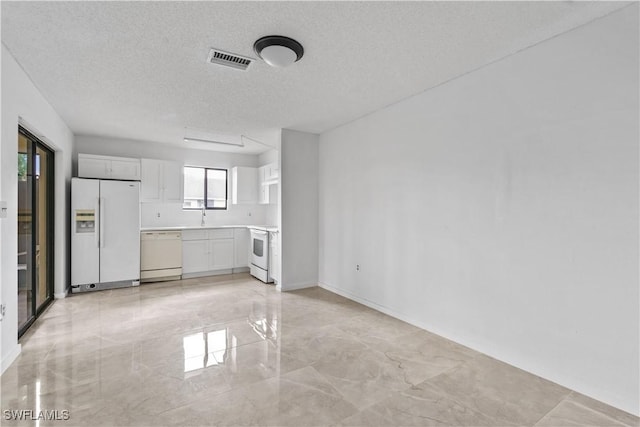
[221,233]
[194,235]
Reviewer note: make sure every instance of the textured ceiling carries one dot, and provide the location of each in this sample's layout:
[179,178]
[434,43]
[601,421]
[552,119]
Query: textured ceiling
[138,70]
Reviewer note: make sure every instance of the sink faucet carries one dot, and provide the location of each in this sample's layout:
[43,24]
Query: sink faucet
[204,213]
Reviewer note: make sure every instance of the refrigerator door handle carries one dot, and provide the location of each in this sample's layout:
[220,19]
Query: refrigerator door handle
[99,218]
[102,222]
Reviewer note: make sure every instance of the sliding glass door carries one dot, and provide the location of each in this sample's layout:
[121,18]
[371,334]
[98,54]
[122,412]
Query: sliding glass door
[35,228]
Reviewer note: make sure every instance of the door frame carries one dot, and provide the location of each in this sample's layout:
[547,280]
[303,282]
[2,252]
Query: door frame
[50,245]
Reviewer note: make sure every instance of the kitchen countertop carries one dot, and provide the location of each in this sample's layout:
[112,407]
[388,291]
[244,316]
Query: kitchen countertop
[208,227]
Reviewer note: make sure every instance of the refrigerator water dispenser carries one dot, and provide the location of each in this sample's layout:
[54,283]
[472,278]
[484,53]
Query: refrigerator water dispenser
[85,220]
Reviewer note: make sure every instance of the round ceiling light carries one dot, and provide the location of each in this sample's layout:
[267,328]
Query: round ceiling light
[278,51]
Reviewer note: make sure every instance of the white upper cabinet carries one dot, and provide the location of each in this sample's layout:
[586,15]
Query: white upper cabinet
[90,167]
[251,185]
[107,167]
[151,187]
[244,185]
[125,169]
[271,173]
[268,174]
[267,177]
[263,195]
[161,181]
[173,181]
[262,174]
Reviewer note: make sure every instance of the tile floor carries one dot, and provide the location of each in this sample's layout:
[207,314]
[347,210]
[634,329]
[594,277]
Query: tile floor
[232,351]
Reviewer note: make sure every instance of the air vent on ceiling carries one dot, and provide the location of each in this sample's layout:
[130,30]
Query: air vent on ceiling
[220,57]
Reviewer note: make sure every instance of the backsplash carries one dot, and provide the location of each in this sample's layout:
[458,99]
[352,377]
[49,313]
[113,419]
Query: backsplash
[172,214]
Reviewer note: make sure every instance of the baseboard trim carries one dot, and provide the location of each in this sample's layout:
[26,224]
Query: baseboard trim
[61,295]
[296,286]
[371,304]
[207,273]
[10,358]
[609,400]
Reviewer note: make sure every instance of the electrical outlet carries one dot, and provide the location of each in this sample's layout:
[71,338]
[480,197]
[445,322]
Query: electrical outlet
[3,309]
[158,214]
[357,267]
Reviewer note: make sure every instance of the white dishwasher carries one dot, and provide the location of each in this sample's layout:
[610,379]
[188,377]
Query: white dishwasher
[160,255]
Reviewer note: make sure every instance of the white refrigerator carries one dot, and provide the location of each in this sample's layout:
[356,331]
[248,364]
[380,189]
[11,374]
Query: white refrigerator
[105,234]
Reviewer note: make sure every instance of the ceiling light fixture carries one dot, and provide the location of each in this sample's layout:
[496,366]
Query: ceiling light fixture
[210,141]
[278,51]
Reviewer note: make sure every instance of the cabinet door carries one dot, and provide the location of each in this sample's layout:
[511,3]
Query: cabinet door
[264,195]
[195,256]
[151,180]
[263,174]
[125,169]
[221,254]
[272,172]
[241,247]
[172,179]
[89,167]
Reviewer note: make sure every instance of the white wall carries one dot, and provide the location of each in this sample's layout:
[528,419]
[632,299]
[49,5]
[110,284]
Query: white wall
[299,209]
[500,209]
[23,103]
[172,214]
[268,156]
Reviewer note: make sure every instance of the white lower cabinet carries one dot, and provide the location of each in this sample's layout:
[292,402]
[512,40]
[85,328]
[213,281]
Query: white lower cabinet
[241,246]
[221,254]
[195,256]
[214,250]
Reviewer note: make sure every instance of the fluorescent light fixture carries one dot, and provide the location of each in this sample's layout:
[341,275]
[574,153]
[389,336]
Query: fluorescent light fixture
[210,141]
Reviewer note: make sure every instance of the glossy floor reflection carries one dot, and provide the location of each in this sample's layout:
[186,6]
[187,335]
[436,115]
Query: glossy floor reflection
[230,350]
